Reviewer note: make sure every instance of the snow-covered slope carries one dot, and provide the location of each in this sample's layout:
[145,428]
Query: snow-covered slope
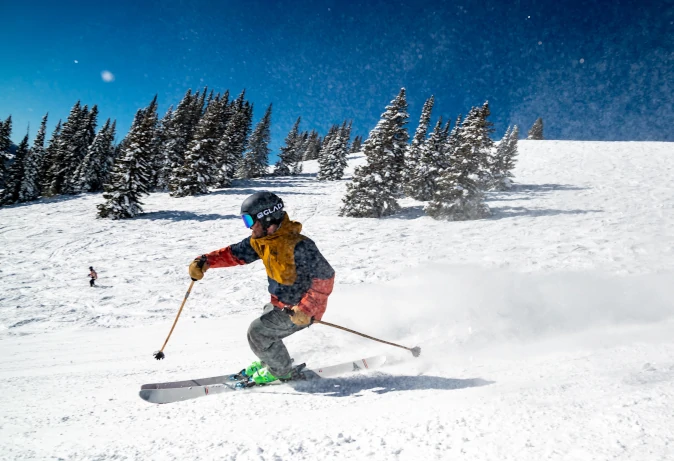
[546,330]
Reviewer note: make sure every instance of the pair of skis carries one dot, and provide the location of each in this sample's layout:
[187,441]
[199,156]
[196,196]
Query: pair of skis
[191,389]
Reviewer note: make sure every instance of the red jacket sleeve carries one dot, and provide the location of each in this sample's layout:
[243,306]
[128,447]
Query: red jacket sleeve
[315,300]
[223,258]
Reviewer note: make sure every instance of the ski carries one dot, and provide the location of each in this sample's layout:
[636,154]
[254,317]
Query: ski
[191,389]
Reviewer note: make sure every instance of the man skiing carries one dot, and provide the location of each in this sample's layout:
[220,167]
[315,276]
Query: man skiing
[300,281]
[93,275]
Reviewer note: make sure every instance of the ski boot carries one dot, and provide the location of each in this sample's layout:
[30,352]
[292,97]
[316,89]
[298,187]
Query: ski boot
[264,376]
[246,373]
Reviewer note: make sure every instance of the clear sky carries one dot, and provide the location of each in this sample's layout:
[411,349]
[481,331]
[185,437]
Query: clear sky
[601,70]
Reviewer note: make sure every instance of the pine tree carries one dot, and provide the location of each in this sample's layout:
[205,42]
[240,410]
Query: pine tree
[325,154]
[288,157]
[176,137]
[5,143]
[32,166]
[357,144]
[431,164]
[67,152]
[332,161]
[457,196]
[328,158]
[15,175]
[300,148]
[229,151]
[256,159]
[110,152]
[376,184]
[84,136]
[312,147]
[483,145]
[132,171]
[98,160]
[536,131]
[197,173]
[49,159]
[162,166]
[414,174]
[505,159]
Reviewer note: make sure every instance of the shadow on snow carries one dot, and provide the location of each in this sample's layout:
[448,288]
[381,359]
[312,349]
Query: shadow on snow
[515,211]
[184,216]
[383,384]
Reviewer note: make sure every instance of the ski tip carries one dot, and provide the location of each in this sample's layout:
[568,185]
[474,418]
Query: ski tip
[145,394]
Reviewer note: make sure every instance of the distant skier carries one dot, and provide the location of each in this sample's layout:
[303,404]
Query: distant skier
[300,281]
[93,275]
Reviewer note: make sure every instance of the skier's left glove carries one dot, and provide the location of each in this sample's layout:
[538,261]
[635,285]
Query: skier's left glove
[299,317]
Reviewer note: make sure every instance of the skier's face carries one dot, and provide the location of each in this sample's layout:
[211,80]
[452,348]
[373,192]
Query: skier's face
[258,232]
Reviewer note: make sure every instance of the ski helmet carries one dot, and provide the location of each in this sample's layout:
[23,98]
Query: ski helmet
[264,207]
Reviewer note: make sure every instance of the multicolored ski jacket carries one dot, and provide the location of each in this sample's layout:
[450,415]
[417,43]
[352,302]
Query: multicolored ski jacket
[298,273]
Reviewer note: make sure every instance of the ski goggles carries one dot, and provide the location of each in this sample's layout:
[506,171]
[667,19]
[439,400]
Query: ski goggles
[248,220]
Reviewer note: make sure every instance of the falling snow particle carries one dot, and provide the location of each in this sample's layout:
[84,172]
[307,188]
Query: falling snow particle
[76,61]
[582,60]
[107,76]
[540,43]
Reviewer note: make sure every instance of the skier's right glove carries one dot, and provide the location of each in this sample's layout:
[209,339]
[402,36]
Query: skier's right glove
[198,267]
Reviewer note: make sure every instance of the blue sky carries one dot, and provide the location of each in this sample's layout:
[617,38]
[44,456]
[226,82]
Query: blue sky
[593,70]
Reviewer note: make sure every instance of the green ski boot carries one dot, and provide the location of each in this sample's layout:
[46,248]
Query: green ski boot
[252,368]
[264,376]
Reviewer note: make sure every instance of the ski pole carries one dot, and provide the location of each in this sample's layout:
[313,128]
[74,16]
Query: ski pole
[160,353]
[414,350]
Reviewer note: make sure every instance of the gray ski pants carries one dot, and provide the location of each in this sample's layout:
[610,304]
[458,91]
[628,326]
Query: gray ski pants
[265,335]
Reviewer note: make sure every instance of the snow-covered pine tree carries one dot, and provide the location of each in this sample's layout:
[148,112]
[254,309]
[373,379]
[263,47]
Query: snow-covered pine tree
[413,175]
[431,164]
[161,165]
[66,156]
[197,173]
[357,144]
[198,108]
[111,154]
[229,151]
[325,153]
[506,155]
[98,161]
[49,158]
[287,156]
[32,165]
[5,143]
[372,194]
[300,148]
[312,147]
[15,175]
[342,150]
[256,158]
[332,161]
[132,171]
[477,131]
[176,137]
[84,136]
[446,130]
[457,196]
[226,110]
[498,181]
[536,131]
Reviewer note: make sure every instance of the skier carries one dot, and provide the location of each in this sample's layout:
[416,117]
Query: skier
[93,275]
[300,281]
